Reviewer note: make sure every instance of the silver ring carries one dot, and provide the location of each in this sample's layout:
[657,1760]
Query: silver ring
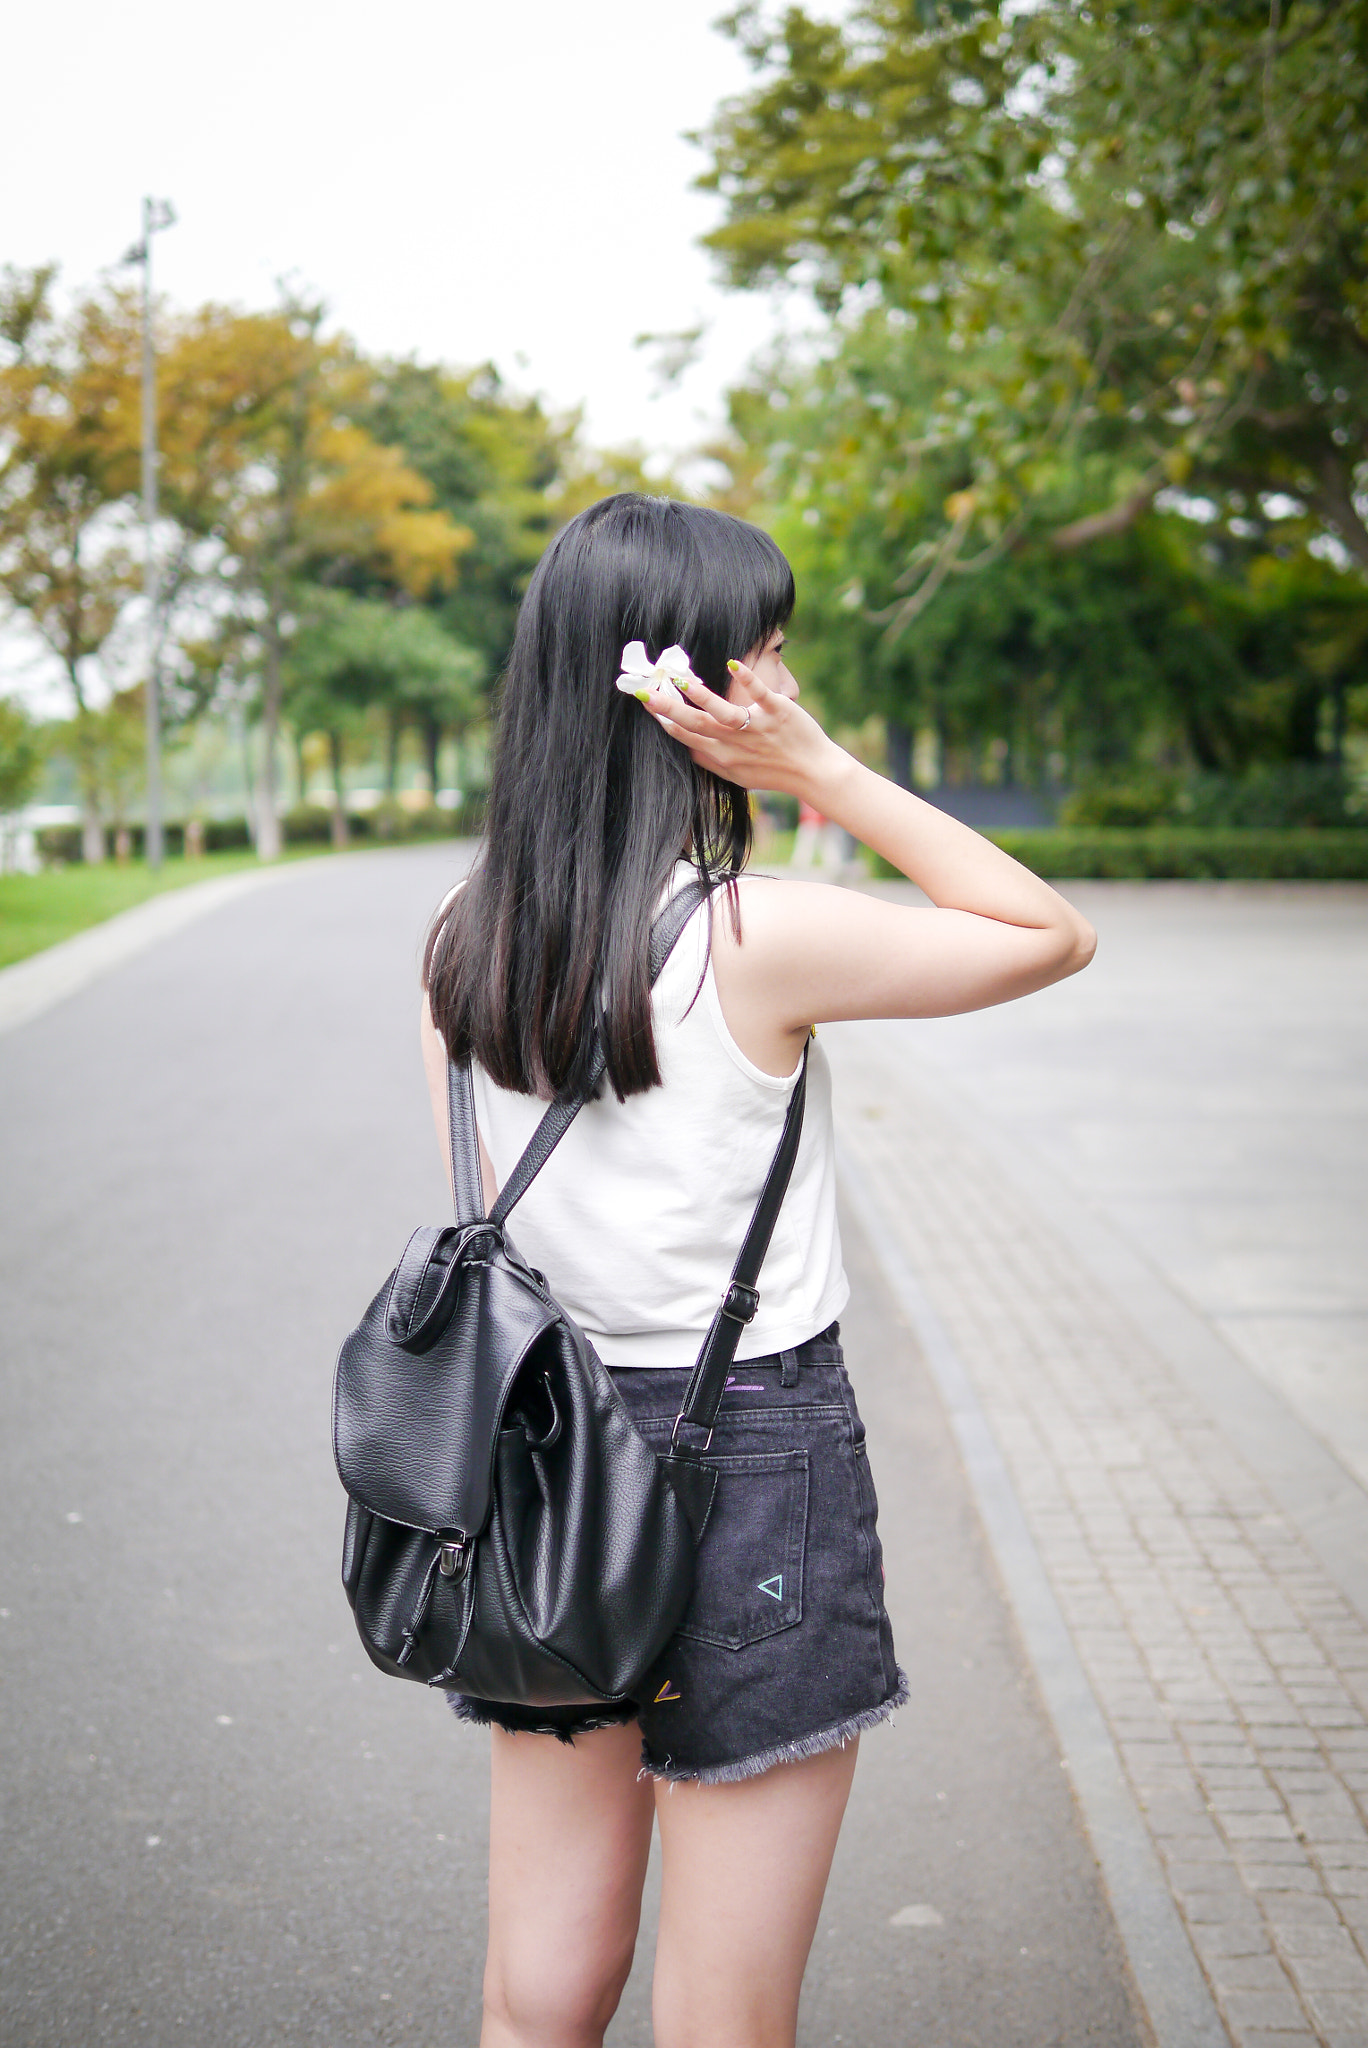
[747,719]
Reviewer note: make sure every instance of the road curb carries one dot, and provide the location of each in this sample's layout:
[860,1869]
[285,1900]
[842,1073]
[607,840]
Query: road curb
[1177,2000]
[31,986]
[1314,1487]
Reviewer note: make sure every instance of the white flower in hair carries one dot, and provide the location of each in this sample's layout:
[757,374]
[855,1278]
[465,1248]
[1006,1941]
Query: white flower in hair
[641,675]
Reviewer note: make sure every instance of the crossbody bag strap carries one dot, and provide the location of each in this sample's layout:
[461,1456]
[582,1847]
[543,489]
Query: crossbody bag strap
[467,1182]
[708,1381]
[665,935]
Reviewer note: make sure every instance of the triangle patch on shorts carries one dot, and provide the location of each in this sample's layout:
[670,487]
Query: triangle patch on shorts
[774,1587]
[665,1694]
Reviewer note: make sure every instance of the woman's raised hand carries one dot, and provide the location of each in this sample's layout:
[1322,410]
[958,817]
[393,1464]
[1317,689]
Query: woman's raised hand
[754,736]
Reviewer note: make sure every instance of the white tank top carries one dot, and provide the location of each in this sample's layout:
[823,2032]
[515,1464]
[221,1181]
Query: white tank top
[637,1217]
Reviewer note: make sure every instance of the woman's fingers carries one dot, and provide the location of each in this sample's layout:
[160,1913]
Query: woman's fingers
[758,740]
[712,719]
[718,709]
[751,746]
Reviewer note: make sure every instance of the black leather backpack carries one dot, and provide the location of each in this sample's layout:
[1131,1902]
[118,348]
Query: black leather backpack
[510,1534]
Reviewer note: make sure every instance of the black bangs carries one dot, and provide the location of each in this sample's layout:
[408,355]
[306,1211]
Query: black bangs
[591,805]
[743,593]
[680,575]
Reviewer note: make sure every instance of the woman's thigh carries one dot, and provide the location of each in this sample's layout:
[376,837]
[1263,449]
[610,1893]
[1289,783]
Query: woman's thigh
[569,1835]
[744,1870]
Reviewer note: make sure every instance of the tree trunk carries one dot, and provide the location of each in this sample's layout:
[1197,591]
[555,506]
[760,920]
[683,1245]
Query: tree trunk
[251,794]
[339,816]
[92,830]
[1339,719]
[432,747]
[1304,722]
[301,772]
[392,739]
[1335,499]
[942,726]
[268,817]
[898,739]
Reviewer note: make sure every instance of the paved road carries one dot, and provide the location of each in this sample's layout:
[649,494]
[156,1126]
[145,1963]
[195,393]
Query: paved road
[220,1825]
[1204,1086]
[1134,1207]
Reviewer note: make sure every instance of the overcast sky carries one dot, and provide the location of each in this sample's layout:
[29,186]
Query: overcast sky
[506,180]
[457,182]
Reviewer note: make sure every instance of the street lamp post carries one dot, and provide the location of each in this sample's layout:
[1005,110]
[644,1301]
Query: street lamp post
[156,215]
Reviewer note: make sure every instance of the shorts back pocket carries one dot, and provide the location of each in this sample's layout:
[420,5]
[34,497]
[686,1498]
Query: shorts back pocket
[749,1583]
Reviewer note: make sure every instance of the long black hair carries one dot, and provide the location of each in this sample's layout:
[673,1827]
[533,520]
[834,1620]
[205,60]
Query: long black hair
[591,804]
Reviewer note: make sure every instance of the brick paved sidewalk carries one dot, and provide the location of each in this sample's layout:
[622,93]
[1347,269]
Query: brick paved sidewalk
[1231,1670]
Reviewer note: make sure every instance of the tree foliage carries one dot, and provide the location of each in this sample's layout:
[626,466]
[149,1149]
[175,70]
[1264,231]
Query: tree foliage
[506,470]
[272,489]
[268,462]
[22,751]
[493,461]
[1209,647]
[68,464]
[1141,233]
[352,656]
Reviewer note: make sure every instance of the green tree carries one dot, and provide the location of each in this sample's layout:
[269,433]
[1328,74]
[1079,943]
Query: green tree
[68,462]
[350,656]
[505,471]
[268,468]
[108,748]
[23,748]
[493,461]
[1140,231]
[1186,645]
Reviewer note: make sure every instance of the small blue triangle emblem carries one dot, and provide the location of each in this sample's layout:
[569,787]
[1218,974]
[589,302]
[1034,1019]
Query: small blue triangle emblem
[774,1587]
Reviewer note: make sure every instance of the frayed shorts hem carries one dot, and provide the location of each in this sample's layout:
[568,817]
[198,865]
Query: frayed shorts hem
[486,1714]
[782,1752]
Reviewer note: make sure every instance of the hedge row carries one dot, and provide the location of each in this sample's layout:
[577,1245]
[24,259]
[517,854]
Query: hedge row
[305,825]
[1172,853]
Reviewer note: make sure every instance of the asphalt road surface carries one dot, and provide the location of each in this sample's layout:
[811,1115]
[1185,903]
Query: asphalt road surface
[220,1825]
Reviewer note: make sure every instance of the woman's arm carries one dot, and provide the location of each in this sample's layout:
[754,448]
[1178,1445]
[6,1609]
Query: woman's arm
[812,953]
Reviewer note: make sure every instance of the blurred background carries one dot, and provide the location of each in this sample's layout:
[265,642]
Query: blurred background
[1037,334]
[1038,342]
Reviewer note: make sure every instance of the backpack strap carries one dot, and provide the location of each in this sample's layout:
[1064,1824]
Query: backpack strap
[708,1381]
[465,1148]
[467,1184]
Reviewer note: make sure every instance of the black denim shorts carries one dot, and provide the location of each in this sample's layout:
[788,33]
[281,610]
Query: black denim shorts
[785,1649]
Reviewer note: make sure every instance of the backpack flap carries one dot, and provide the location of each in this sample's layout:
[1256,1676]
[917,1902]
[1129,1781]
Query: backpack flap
[423,1381]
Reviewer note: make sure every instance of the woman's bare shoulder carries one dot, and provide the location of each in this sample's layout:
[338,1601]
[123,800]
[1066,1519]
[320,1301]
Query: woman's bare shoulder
[781,914]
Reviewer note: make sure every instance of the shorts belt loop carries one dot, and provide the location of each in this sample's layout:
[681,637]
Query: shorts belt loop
[788,1368]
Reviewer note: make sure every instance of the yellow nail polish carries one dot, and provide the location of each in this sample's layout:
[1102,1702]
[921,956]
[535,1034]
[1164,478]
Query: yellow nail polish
[734,666]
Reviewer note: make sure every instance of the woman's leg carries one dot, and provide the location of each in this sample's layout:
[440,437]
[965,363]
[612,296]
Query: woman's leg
[569,1834]
[744,1869]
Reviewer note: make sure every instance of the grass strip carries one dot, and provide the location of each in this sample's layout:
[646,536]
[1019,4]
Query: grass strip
[38,911]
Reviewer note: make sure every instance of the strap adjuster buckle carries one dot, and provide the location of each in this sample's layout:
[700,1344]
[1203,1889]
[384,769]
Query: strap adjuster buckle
[740,1303]
[694,1450]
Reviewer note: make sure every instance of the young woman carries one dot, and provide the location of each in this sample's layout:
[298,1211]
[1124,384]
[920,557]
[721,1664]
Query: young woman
[608,791]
